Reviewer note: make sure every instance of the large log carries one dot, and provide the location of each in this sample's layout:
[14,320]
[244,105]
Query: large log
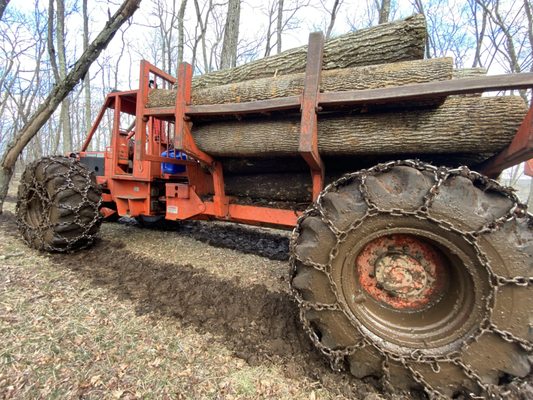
[469,73]
[294,185]
[355,78]
[461,124]
[386,43]
[336,165]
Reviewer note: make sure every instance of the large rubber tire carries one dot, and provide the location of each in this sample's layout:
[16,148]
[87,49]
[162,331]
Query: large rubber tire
[471,337]
[58,203]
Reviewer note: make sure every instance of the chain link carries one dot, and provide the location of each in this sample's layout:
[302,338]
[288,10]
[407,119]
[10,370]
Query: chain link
[41,184]
[417,356]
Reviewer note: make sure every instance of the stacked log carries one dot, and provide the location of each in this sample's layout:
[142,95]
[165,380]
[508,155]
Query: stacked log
[461,124]
[386,43]
[355,78]
[452,131]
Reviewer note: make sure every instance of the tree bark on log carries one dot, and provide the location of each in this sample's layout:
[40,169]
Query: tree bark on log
[356,78]
[336,165]
[295,187]
[386,43]
[461,124]
[468,73]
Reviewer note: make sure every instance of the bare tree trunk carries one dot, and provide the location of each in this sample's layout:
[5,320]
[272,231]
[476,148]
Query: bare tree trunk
[3,5]
[202,24]
[50,40]
[268,39]
[87,78]
[529,13]
[333,17]
[228,57]
[56,138]
[181,35]
[479,30]
[530,197]
[62,60]
[384,11]
[279,26]
[510,48]
[59,92]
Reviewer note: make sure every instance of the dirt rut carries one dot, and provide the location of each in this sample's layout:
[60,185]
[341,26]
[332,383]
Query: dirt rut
[258,325]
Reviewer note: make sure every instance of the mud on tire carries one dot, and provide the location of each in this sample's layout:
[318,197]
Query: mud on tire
[57,206]
[419,275]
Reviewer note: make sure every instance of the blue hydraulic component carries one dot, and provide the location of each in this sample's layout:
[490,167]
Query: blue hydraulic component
[173,169]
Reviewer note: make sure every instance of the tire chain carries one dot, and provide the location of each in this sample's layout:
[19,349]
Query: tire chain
[37,188]
[337,357]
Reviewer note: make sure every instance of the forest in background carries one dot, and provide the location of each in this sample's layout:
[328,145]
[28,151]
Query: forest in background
[40,41]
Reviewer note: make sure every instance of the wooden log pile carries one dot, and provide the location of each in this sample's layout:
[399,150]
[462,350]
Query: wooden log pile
[459,129]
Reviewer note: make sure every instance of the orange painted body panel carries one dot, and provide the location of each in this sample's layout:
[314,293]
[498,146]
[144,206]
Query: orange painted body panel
[130,179]
[132,197]
[182,202]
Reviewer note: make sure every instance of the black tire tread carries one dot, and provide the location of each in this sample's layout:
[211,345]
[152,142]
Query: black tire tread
[459,202]
[70,216]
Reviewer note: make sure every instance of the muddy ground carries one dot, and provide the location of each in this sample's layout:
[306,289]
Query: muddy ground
[220,288]
[221,281]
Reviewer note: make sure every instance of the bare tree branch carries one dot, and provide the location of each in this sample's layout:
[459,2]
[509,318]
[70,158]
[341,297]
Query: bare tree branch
[3,5]
[59,92]
[384,11]
[181,17]
[279,26]
[333,16]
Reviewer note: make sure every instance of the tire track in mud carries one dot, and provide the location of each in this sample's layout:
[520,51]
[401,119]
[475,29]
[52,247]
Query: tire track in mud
[258,325]
[230,236]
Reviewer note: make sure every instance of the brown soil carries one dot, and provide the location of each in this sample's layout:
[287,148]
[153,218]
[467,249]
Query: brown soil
[258,323]
[270,243]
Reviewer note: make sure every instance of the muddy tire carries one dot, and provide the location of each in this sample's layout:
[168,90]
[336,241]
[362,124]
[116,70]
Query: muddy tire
[420,276]
[57,206]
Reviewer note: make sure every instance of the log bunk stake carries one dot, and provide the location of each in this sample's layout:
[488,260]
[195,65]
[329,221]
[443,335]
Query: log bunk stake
[308,146]
[184,141]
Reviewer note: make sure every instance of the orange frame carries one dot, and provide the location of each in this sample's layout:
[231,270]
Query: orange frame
[132,192]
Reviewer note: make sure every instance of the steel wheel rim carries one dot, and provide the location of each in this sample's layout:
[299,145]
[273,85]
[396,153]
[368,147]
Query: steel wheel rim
[436,329]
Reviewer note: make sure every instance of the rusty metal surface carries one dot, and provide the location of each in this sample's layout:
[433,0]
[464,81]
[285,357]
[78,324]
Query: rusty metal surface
[414,92]
[402,271]
[308,144]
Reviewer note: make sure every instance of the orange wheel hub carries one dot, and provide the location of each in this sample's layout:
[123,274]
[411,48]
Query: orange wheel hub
[402,271]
